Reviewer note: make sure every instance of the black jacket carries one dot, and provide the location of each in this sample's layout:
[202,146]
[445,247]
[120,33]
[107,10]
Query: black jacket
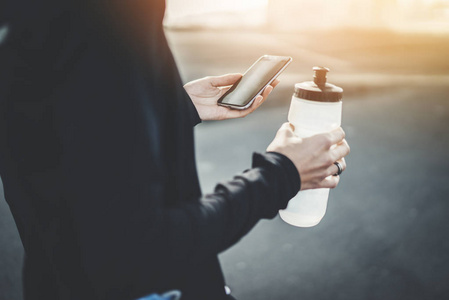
[97,157]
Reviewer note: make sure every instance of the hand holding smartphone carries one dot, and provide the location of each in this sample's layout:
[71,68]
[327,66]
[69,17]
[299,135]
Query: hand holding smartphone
[262,73]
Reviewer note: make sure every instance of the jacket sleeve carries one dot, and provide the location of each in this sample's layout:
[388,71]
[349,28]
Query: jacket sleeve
[221,218]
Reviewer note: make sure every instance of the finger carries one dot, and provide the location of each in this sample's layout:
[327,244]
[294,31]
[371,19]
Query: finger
[288,126]
[275,83]
[286,130]
[224,80]
[234,113]
[342,163]
[267,91]
[330,182]
[337,135]
[256,103]
[331,138]
[340,151]
[333,169]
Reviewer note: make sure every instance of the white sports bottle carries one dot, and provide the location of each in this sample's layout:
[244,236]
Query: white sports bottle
[315,108]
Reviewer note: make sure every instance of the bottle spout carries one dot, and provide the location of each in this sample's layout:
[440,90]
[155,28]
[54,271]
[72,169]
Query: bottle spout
[318,89]
[320,75]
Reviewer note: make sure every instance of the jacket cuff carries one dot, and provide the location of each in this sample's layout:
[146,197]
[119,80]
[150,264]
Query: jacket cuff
[193,113]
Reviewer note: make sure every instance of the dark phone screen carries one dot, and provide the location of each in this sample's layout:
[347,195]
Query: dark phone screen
[254,80]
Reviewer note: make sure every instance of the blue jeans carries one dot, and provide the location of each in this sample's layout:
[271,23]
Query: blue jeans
[171,295]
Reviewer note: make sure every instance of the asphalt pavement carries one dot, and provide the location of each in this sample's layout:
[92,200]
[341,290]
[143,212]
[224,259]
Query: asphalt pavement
[385,233]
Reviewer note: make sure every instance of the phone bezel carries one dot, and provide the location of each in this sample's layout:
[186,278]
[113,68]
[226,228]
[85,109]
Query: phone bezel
[248,104]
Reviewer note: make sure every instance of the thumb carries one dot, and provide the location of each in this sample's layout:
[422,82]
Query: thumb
[288,126]
[224,80]
[286,130]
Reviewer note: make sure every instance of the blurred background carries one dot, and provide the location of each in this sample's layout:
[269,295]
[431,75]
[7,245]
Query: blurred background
[386,231]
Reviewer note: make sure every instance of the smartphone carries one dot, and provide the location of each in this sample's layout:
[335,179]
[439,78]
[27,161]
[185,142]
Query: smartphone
[263,72]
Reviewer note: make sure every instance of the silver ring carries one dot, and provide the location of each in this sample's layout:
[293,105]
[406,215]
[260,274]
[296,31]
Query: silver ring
[340,168]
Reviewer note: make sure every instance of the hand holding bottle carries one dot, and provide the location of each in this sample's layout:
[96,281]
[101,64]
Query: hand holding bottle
[313,156]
